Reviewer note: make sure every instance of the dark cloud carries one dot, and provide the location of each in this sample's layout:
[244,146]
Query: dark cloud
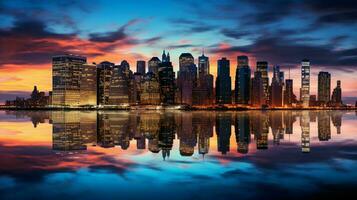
[280,50]
[29,42]
[191,26]
[113,36]
[234,33]
[179,46]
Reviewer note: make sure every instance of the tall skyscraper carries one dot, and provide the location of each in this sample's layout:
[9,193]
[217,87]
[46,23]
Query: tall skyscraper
[203,65]
[140,67]
[66,79]
[223,82]
[262,66]
[305,82]
[276,96]
[243,85]
[257,92]
[324,85]
[88,85]
[289,92]
[187,78]
[337,95]
[242,81]
[104,76]
[167,80]
[203,93]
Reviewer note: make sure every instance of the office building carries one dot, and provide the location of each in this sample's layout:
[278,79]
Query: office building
[66,79]
[305,83]
[324,85]
[223,82]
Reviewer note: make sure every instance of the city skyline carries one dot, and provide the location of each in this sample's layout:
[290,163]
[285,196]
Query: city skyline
[76,83]
[30,40]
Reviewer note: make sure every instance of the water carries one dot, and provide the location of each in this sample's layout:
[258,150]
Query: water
[177,155]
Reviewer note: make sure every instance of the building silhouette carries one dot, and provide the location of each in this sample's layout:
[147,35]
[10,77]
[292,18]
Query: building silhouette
[289,96]
[167,80]
[203,93]
[262,67]
[337,95]
[140,67]
[257,90]
[223,82]
[187,78]
[242,61]
[242,83]
[323,90]
[277,84]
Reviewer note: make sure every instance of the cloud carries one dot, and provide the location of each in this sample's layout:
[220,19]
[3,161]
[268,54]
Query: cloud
[191,26]
[280,50]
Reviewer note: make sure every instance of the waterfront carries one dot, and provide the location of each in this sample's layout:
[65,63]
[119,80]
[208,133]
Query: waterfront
[177,154]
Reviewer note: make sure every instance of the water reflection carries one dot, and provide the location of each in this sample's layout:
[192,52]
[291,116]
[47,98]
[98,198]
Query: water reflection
[156,131]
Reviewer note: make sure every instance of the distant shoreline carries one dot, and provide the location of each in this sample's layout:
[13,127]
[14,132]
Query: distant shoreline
[175,108]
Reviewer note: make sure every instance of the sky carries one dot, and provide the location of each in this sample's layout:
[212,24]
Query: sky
[282,32]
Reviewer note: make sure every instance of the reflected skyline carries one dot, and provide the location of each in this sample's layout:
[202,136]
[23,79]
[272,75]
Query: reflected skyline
[194,131]
[138,153]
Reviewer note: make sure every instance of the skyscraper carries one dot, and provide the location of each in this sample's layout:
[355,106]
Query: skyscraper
[337,95]
[150,90]
[104,76]
[262,66]
[66,78]
[203,93]
[305,82]
[288,93]
[119,88]
[187,78]
[88,85]
[153,65]
[167,80]
[243,85]
[140,67]
[257,92]
[223,82]
[324,85]
[242,81]
[203,65]
[276,96]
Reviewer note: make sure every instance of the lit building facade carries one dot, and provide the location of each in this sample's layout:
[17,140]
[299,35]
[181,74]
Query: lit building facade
[242,62]
[88,85]
[150,90]
[257,91]
[324,87]
[262,66]
[66,79]
[104,75]
[305,83]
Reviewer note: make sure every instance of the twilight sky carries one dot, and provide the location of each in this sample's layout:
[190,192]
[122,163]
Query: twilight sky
[283,32]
